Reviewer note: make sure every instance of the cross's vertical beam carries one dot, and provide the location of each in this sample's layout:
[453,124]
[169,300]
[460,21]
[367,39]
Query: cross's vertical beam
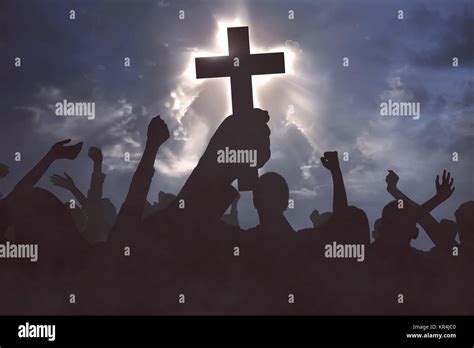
[240,78]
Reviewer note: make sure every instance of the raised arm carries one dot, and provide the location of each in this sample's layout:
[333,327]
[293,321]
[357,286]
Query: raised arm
[94,195]
[58,151]
[132,208]
[67,183]
[443,191]
[331,162]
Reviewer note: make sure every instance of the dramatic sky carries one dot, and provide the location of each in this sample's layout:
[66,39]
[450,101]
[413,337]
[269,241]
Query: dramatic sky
[334,107]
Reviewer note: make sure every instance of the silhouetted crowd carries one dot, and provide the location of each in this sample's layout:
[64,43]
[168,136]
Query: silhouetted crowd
[185,255]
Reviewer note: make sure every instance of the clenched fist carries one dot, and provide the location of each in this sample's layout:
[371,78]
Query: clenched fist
[391,179]
[158,131]
[330,161]
[95,154]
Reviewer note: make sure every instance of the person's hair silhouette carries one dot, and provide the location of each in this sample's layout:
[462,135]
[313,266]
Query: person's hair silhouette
[398,225]
[270,196]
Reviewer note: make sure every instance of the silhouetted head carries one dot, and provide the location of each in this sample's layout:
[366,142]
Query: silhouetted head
[465,223]
[398,224]
[4,170]
[352,226]
[271,194]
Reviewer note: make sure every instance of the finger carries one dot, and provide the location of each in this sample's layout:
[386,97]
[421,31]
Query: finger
[451,182]
[448,177]
[66,175]
[437,181]
[452,190]
[260,115]
[262,129]
[444,175]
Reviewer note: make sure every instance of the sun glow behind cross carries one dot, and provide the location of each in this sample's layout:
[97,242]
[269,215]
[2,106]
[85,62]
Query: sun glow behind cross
[189,88]
[220,48]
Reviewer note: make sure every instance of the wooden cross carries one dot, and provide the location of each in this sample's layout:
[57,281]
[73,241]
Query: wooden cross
[240,65]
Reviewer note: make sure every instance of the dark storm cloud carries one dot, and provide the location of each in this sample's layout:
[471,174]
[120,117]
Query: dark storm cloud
[448,34]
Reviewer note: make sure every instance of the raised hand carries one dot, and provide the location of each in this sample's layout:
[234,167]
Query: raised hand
[65,182]
[445,189]
[158,131]
[250,132]
[330,161]
[391,179]
[4,170]
[95,154]
[60,150]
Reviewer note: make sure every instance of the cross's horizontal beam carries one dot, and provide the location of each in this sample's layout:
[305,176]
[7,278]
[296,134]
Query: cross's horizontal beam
[255,64]
[267,63]
[213,67]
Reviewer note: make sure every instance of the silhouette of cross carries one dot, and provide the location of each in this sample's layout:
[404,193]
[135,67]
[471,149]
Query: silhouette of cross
[240,65]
